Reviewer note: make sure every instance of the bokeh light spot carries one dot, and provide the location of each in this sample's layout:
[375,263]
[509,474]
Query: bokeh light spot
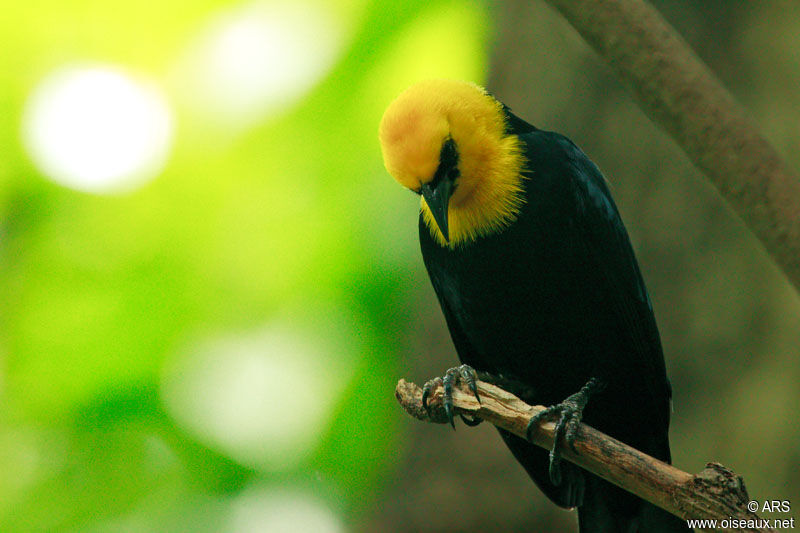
[281,511]
[253,60]
[97,129]
[263,398]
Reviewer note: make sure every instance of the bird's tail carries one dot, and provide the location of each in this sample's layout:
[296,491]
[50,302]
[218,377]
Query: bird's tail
[609,509]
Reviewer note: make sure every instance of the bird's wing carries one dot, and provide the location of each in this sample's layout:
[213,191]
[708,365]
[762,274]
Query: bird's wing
[608,248]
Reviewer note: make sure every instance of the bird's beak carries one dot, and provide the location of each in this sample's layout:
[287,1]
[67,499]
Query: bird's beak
[438,199]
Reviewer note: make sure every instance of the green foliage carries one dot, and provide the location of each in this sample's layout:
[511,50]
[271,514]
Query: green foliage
[290,220]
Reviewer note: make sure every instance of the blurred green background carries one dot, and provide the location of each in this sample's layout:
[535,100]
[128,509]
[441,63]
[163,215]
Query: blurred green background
[210,285]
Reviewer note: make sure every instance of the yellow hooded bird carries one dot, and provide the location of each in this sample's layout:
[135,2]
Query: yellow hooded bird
[538,283]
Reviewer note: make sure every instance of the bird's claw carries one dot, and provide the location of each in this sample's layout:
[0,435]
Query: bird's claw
[427,390]
[453,375]
[569,413]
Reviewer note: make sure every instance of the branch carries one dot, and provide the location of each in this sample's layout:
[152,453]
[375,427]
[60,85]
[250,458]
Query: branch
[678,92]
[714,493]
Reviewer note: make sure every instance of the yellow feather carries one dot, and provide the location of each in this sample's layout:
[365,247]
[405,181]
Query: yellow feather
[414,126]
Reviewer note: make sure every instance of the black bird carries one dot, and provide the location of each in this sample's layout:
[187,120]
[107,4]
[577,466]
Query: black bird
[538,283]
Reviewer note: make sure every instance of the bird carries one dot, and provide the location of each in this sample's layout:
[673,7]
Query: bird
[538,283]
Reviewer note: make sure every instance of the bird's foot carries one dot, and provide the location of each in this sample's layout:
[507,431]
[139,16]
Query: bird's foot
[569,414]
[463,373]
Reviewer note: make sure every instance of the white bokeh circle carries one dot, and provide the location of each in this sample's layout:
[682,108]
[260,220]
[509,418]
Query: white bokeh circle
[96,128]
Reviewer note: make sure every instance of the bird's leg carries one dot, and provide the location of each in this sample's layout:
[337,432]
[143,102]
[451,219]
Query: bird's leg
[569,413]
[463,373]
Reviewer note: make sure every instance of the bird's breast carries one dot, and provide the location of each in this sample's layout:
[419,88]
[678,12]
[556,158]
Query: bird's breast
[527,309]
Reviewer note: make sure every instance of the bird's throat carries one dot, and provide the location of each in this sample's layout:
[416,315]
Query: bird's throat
[489,195]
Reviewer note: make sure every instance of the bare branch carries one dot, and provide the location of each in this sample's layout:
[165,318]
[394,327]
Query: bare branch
[715,493]
[678,92]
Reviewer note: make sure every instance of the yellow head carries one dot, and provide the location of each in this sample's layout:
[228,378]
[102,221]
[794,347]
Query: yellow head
[447,141]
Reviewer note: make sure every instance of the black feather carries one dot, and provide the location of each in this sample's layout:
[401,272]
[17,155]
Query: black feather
[552,300]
